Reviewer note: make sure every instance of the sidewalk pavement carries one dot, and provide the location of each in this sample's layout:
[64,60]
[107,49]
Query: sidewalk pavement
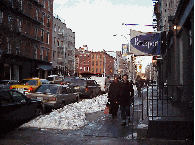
[101,130]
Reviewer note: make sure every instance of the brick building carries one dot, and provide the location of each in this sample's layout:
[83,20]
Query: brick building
[95,63]
[25,38]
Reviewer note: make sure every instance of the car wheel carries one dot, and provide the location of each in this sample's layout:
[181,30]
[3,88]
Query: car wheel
[77,98]
[38,112]
[62,104]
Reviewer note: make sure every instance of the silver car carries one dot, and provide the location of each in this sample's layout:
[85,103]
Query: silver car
[54,95]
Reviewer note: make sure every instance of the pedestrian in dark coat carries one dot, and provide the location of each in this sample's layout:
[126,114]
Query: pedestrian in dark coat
[126,96]
[113,96]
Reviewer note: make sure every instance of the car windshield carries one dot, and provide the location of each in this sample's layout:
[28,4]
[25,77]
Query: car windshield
[68,79]
[47,89]
[50,78]
[28,82]
[78,82]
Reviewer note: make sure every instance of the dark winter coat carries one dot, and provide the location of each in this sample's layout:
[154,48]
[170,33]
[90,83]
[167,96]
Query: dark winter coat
[113,94]
[125,96]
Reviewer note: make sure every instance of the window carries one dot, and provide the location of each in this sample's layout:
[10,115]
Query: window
[17,48]
[42,34]
[36,32]
[54,42]
[1,16]
[80,68]
[48,21]
[19,25]
[58,41]
[92,70]
[58,28]
[41,54]
[43,2]
[84,68]
[8,45]
[47,37]
[10,21]
[100,70]
[97,56]
[47,52]
[49,5]
[37,14]
[43,18]
[100,56]
[54,54]
[55,28]
[35,52]
[96,70]
[92,56]
[92,63]
[17,97]
[100,63]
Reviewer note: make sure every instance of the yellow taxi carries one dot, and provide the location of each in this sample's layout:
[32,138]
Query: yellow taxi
[27,85]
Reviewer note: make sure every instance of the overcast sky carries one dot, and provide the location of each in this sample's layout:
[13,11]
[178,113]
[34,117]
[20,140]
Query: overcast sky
[96,21]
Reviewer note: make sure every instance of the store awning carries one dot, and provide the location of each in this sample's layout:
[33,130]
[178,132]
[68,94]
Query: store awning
[45,67]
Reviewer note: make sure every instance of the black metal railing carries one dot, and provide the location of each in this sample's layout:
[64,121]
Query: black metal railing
[162,100]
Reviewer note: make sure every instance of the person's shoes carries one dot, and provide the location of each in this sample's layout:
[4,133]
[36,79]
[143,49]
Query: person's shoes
[123,123]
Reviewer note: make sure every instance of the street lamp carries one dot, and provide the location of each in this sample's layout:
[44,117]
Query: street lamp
[125,38]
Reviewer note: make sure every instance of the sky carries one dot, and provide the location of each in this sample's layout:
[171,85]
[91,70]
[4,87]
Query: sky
[96,21]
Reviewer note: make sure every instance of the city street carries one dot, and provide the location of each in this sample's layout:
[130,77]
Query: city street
[100,129]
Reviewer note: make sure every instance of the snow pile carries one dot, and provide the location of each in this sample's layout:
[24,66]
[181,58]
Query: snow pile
[72,116]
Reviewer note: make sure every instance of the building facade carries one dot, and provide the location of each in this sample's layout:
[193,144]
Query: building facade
[95,63]
[63,48]
[177,64]
[25,38]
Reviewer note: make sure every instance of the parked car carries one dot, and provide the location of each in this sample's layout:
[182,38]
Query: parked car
[55,79]
[7,83]
[44,81]
[85,87]
[103,82]
[16,108]
[54,95]
[28,85]
[67,80]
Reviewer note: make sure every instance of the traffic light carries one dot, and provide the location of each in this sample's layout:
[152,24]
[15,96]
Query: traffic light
[140,67]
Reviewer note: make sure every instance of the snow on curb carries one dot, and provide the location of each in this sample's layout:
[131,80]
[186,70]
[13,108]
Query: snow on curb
[72,116]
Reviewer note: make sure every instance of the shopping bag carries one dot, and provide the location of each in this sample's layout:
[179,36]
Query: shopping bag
[106,110]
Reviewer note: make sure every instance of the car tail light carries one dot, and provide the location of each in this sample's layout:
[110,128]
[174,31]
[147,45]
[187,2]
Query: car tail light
[52,98]
[86,89]
[30,89]
[10,87]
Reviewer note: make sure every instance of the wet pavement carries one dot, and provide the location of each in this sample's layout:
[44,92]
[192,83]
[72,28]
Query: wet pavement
[100,130]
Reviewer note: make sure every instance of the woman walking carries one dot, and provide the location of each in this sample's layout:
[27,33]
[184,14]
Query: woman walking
[113,96]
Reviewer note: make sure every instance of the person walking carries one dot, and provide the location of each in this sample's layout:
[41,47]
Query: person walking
[113,96]
[126,94]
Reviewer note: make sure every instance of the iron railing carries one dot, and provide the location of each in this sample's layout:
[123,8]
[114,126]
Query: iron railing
[162,100]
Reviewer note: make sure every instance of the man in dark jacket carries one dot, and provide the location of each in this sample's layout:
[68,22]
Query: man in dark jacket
[126,96]
[113,96]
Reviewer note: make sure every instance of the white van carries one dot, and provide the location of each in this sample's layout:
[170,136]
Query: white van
[103,82]
[55,79]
